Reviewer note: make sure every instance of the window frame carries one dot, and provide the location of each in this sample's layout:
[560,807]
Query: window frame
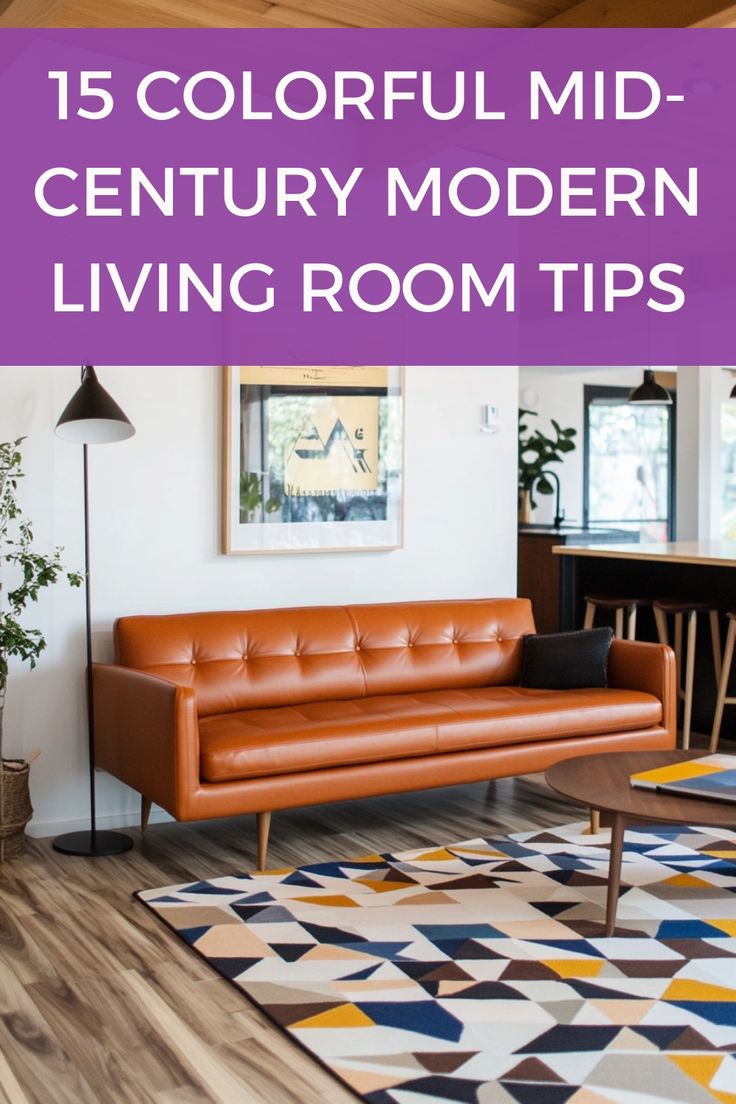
[593,393]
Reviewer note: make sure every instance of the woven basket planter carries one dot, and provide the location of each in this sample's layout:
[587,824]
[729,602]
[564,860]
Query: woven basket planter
[15,807]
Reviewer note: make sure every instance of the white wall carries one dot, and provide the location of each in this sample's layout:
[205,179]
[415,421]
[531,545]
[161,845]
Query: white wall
[560,396]
[701,392]
[155,503]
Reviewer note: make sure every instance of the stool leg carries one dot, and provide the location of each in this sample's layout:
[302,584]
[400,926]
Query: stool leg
[631,633]
[660,618]
[589,615]
[678,651]
[692,636]
[595,822]
[619,623]
[723,686]
[715,639]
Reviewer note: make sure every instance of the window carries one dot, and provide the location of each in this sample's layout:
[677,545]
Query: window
[728,446]
[628,458]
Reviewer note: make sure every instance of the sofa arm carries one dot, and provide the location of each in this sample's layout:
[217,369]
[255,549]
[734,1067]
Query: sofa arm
[147,735]
[635,665]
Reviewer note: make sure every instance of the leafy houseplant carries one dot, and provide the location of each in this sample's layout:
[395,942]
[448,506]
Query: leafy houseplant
[536,452]
[30,572]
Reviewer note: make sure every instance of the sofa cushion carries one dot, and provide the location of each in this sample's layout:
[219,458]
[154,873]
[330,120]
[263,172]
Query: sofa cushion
[262,659]
[261,742]
[516,715]
[566,660]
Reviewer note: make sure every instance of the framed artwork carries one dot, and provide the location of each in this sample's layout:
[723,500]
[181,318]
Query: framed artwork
[312,459]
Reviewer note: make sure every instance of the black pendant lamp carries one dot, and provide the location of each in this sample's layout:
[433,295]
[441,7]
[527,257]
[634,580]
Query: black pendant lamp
[92,417]
[650,392]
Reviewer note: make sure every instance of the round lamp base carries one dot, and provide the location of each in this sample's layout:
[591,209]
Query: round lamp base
[92,844]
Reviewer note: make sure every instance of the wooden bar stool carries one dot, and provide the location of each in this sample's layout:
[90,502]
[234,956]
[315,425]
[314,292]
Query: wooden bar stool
[595,602]
[679,609]
[722,700]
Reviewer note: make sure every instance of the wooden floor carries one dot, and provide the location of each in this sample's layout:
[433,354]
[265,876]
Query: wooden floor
[100,1003]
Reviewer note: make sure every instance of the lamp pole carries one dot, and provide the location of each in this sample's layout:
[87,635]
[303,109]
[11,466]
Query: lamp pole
[88,627]
[91,417]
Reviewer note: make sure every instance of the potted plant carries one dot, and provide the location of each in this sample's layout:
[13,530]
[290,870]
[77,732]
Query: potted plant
[536,452]
[24,573]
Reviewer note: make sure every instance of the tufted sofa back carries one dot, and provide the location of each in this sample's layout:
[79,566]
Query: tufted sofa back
[255,659]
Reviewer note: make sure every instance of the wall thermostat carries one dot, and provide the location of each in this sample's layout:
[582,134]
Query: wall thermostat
[491,419]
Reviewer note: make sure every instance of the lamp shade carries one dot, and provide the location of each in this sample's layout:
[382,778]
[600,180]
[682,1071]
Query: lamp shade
[92,417]
[650,392]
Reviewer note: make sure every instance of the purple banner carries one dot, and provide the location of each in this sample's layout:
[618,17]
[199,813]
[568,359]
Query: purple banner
[341,197]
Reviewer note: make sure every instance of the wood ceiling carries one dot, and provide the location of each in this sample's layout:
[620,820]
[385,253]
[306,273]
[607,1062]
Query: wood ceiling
[367,13]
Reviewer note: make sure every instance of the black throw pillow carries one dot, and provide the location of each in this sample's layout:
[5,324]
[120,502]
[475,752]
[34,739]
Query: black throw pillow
[566,661]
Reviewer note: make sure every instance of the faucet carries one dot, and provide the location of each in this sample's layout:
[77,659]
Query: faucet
[559,515]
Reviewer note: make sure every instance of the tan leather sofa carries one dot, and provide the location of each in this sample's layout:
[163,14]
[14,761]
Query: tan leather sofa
[218,714]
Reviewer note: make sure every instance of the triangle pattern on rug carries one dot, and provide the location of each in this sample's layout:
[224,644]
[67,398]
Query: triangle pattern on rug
[516,997]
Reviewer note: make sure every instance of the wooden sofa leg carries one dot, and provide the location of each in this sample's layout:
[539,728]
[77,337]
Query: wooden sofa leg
[145,812]
[595,822]
[264,824]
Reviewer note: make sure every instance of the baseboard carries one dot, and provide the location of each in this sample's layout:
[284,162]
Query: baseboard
[38,829]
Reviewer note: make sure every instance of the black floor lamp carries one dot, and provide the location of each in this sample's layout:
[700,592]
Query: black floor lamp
[92,417]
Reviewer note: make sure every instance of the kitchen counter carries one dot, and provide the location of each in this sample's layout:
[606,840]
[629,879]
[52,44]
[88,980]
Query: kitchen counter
[577,532]
[700,571]
[539,570]
[710,553]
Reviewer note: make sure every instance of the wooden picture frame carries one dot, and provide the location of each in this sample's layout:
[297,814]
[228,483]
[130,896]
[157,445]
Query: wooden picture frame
[312,459]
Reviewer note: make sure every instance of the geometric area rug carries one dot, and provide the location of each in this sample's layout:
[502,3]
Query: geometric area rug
[480,972]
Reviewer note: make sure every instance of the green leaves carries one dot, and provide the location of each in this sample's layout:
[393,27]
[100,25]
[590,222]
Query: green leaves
[544,486]
[26,644]
[29,571]
[564,442]
[537,451]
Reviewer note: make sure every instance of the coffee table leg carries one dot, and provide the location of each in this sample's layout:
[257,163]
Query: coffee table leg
[614,871]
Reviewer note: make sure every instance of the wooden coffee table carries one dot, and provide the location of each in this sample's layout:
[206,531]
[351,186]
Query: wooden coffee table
[602,782]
